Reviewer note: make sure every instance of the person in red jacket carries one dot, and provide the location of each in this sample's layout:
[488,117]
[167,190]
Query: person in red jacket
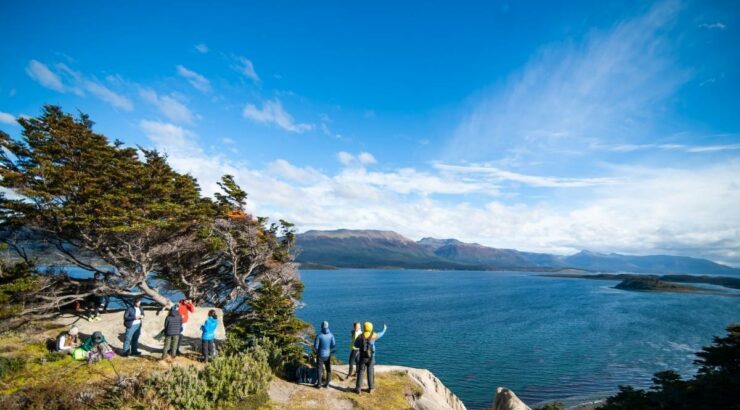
[184,307]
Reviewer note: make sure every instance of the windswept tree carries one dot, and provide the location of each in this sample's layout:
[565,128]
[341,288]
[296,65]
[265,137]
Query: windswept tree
[84,193]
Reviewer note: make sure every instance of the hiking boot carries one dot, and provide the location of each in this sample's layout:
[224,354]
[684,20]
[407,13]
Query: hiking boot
[357,391]
[318,386]
[136,354]
[370,391]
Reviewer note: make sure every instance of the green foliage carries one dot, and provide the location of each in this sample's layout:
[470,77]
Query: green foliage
[715,386]
[9,365]
[273,325]
[17,283]
[230,381]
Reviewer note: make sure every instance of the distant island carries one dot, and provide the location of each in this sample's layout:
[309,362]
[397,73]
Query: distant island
[347,248]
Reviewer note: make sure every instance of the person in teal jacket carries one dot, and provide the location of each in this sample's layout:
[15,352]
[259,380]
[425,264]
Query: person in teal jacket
[207,338]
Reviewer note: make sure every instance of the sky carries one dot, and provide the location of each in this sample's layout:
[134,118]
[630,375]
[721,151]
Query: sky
[607,126]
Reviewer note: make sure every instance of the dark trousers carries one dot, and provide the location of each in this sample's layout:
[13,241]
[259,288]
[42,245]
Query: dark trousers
[170,346]
[354,356]
[208,348]
[322,362]
[368,364]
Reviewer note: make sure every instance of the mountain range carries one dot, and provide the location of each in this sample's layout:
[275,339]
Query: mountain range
[346,248]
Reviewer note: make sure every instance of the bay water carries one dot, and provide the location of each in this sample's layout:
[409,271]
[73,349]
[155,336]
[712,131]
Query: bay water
[545,338]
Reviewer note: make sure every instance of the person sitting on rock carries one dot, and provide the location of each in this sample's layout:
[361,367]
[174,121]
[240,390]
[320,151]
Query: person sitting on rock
[324,345]
[172,329]
[68,341]
[208,344]
[366,345]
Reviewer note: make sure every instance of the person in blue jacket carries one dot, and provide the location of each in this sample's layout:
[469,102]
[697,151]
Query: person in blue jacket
[207,342]
[324,345]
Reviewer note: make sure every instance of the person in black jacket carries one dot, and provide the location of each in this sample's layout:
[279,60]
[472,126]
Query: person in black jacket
[132,320]
[172,328]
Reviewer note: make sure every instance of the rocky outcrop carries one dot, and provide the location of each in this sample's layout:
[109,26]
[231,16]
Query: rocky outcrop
[507,400]
[436,395]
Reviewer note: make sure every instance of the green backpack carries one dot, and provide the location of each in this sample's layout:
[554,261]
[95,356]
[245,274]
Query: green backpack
[79,354]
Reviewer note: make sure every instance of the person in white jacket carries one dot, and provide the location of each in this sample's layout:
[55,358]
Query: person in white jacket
[68,341]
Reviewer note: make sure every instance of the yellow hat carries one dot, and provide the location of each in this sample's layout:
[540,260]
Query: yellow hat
[368,329]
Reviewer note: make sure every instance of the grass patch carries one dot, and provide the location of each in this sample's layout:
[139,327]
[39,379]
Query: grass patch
[392,391]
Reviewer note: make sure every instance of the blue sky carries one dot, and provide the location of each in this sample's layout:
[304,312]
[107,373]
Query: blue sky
[610,126]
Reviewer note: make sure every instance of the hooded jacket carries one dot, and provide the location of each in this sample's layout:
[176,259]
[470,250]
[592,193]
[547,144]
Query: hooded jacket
[209,329]
[173,323]
[372,336]
[324,343]
[90,343]
[129,316]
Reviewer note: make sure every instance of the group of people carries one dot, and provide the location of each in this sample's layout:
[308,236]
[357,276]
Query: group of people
[362,354]
[95,347]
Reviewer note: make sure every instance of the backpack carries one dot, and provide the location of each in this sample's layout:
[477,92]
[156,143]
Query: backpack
[367,350]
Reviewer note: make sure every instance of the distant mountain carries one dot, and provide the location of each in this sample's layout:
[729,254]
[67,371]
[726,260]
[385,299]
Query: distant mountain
[346,248]
[388,249]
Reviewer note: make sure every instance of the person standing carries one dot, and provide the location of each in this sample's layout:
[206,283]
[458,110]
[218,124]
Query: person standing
[366,345]
[324,345]
[132,321]
[172,329]
[353,351]
[185,307]
[207,342]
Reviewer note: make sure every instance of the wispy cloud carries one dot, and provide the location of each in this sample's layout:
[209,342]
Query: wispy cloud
[169,106]
[6,118]
[201,48]
[272,112]
[713,26]
[694,149]
[75,82]
[610,86]
[106,94]
[198,81]
[498,175]
[245,67]
[361,159]
[41,73]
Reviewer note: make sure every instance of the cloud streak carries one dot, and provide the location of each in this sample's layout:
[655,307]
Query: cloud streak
[272,112]
[169,106]
[198,81]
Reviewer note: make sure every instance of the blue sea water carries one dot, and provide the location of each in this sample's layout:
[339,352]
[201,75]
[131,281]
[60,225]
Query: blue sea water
[546,338]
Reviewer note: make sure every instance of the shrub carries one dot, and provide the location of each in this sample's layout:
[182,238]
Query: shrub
[10,365]
[238,380]
[551,406]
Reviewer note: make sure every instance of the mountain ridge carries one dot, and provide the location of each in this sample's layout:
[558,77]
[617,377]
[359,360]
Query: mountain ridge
[368,248]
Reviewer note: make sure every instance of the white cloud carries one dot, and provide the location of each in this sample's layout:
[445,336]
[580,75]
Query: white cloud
[43,75]
[105,94]
[201,48]
[694,149]
[713,26]
[246,68]
[7,118]
[362,159]
[199,82]
[498,174]
[76,83]
[169,106]
[647,212]
[272,112]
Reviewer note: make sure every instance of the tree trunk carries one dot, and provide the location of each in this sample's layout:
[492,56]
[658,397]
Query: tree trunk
[154,294]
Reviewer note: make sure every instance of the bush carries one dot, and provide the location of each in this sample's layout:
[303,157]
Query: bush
[10,365]
[238,380]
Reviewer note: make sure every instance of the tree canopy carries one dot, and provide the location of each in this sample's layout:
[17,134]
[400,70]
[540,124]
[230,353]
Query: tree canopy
[83,194]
